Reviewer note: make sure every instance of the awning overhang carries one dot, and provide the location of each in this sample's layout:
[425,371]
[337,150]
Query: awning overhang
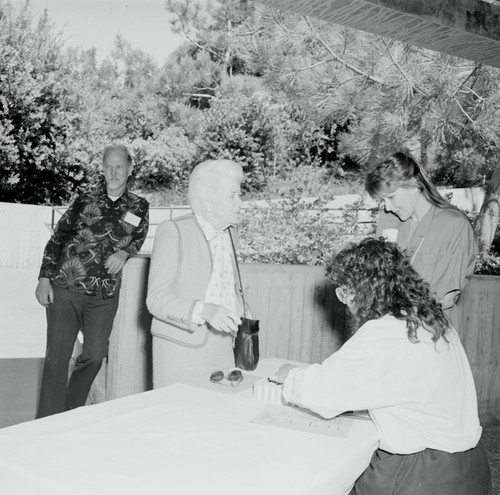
[468,29]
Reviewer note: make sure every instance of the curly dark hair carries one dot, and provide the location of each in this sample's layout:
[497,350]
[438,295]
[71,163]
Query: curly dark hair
[382,282]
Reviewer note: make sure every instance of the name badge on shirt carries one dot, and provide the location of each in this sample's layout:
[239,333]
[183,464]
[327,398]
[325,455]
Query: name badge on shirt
[132,219]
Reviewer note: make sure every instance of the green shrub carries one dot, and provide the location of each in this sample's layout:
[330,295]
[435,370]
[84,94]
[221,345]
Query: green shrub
[163,162]
[239,129]
[487,264]
[465,164]
[294,231]
[39,108]
[269,137]
[306,181]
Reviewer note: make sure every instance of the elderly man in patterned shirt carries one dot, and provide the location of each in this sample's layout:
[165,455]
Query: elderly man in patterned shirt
[80,277]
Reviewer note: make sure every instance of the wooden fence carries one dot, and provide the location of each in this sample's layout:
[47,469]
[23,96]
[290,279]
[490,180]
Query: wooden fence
[479,329]
[301,319]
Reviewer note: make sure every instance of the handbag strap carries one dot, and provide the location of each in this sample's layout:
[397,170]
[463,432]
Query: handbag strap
[240,285]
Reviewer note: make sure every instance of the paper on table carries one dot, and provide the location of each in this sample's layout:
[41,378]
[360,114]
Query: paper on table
[301,420]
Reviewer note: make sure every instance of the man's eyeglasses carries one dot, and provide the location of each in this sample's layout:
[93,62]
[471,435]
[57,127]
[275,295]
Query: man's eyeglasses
[233,378]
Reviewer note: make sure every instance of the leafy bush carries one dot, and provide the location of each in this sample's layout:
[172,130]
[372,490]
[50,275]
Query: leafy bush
[295,231]
[164,162]
[306,181]
[465,164]
[38,111]
[240,130]
[269,136]
[487,264]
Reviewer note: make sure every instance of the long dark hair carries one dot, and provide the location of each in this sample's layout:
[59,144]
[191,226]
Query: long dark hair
[382,281]
[402,170]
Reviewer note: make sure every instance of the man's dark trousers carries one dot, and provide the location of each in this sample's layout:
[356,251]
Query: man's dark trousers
[69,313]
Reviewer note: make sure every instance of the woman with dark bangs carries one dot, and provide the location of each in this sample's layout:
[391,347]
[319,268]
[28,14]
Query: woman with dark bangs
[407,367]
[437,236]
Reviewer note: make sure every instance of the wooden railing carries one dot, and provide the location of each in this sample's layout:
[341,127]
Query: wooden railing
[301,319]
[479,329]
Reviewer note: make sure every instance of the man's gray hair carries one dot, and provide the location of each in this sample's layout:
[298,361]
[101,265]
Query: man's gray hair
[204,181]
[117,148]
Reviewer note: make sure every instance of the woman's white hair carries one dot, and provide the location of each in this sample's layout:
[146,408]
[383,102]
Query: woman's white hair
[205,179]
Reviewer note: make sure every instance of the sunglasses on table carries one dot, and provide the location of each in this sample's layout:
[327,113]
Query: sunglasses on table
[233,378]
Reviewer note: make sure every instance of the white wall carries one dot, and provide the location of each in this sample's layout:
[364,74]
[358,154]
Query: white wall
[24,231]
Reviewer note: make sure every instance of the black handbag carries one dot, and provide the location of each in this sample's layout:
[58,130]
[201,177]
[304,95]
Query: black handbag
[246,344]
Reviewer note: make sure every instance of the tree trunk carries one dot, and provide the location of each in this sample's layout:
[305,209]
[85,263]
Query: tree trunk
[227,57]
[487,221]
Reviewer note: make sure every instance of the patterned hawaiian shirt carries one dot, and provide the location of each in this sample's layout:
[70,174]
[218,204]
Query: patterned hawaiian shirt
[92,228]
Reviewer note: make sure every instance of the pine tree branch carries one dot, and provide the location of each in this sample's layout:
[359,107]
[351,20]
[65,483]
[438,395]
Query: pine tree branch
[249,33]
[201,47]
[286,29]
[469,118]
[468,90]
[337,57]
[185,30]
[345,82]
[197,95]
[400,70]
[474,72]
[310,67]
[462,84]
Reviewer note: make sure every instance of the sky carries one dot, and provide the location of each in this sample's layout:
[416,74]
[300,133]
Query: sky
[95,23]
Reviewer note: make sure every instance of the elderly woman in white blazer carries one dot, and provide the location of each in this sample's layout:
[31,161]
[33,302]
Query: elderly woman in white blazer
[192,292]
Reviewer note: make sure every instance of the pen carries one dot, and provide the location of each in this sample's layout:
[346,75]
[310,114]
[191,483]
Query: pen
[271,380]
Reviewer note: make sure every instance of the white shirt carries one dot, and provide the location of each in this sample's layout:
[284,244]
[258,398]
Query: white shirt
[418,395]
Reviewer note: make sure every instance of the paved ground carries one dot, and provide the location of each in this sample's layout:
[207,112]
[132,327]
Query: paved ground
[22,321]
[19,389]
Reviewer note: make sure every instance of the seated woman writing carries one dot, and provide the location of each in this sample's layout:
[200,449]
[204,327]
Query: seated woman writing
[405,365]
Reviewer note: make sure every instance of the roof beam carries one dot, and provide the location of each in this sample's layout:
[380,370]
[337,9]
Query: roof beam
[468,29]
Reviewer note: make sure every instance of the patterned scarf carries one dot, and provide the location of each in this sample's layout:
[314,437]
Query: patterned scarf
[222,288]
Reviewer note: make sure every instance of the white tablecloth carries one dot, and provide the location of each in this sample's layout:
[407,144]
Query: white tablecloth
[179,440]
